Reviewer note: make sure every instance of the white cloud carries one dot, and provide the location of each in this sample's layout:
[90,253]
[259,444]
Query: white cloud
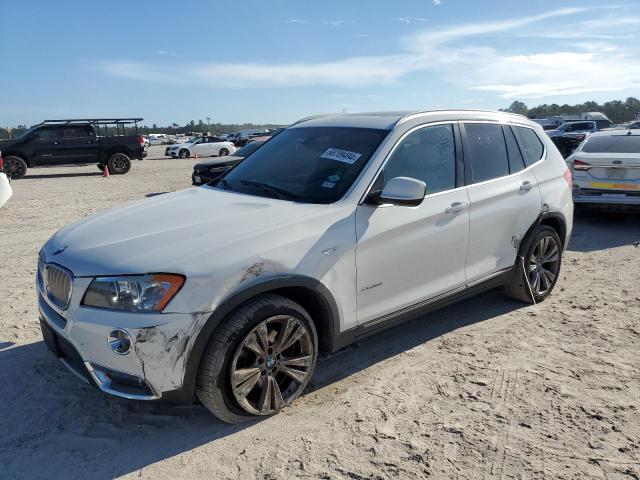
[518,70]
[412,19]
[337,23]
[297,20]
[437,2]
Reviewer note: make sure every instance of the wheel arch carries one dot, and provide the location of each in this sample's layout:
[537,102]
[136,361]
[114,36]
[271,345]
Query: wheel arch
[310,293]
[554,220]
[17,153]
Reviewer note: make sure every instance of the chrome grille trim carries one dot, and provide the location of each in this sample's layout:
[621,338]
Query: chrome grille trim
[58,284]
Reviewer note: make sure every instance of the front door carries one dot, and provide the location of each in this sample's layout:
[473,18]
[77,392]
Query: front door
[406,255]
[45,145]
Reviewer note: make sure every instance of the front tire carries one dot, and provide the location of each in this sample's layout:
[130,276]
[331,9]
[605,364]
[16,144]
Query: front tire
[15,167]
[119,164]
[534,279]
[259,360]
[184,153]
[223,152]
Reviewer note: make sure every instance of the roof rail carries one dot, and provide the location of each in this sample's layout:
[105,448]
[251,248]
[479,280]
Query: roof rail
[98,121]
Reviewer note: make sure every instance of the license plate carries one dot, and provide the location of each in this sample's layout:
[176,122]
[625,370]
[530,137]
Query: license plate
[616,173]
[197,179]
[615,186]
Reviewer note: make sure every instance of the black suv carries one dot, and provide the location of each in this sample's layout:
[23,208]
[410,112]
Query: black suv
[71,142]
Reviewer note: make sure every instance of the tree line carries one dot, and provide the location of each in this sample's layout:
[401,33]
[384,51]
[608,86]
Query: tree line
[174,129]
[618,111]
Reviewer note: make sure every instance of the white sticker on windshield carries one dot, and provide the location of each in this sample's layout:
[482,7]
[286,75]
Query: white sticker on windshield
[341,155]
[328,185]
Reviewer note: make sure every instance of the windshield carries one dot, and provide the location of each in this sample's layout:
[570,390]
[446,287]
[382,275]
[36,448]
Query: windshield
[613,144]
[305,164]
[194,140]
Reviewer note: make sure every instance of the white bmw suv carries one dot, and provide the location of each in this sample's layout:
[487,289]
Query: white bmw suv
[337,228]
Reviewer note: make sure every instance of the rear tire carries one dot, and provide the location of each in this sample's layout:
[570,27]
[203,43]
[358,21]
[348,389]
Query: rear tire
[15,167]
[265,377]
[534,279]
[119,164]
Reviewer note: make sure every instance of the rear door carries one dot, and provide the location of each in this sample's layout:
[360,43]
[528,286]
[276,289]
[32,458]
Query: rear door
[505,200]
[77,144]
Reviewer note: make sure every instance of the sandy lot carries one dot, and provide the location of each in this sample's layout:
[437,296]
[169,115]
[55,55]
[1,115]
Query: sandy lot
[487,388]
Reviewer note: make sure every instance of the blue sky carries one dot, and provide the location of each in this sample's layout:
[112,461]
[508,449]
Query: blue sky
[277,61]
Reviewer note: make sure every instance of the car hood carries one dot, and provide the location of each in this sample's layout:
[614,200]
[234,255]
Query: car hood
[216,161]
[172,232]
[4,144]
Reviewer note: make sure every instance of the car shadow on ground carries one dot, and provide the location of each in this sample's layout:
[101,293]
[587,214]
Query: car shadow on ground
[39,176]
[131,435]
[594,230]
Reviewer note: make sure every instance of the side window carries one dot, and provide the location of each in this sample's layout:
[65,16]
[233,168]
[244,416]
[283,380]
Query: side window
[75,132]
[487,151]
[532,147]
[516,162]
[427,154]
[46,134]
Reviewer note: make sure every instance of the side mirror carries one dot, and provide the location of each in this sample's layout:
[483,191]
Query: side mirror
[403,191]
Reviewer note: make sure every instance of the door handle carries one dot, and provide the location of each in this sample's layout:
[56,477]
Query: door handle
[456,207]
[527,185]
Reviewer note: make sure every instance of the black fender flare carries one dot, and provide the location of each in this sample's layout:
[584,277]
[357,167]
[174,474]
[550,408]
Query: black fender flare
[330,319]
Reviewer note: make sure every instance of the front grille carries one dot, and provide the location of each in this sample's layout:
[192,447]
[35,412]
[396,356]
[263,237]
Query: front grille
[57,282]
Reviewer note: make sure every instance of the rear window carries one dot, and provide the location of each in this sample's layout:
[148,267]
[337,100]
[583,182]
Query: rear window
[612,144]
[532,147]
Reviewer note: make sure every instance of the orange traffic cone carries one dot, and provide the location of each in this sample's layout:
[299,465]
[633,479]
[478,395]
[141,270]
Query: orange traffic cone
[105,172]
[196,155]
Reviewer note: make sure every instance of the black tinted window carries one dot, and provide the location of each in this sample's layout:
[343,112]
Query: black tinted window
[532,147]
[75,132]
[612,144]
[306,164]
[516,162]
[46,134]
[428,154]
[487,151]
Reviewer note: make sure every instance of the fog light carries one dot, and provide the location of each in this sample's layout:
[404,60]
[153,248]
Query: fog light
[120,341]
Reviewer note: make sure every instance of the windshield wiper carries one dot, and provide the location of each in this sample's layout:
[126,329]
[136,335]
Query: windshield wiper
[280,193]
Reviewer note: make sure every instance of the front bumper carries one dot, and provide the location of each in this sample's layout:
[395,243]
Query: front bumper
[153,369]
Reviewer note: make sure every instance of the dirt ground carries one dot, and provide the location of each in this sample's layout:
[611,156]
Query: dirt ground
[487,388]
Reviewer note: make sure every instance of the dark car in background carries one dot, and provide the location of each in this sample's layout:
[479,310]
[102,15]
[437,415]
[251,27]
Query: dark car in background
[104,142]
[209,170]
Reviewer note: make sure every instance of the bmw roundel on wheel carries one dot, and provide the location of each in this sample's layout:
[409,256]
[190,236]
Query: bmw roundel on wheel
[333,229]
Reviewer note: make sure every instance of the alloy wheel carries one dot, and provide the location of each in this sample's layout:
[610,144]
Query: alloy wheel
[119,163]
[543,265]
[272,365]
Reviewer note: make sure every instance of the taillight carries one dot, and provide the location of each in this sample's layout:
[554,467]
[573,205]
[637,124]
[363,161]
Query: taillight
[141,140]
[568,178]
[580,165]
[1,162]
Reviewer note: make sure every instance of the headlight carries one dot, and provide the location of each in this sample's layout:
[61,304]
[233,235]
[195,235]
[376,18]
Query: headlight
[134,293]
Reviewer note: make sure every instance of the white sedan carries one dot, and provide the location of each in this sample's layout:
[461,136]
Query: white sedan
[201,146]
